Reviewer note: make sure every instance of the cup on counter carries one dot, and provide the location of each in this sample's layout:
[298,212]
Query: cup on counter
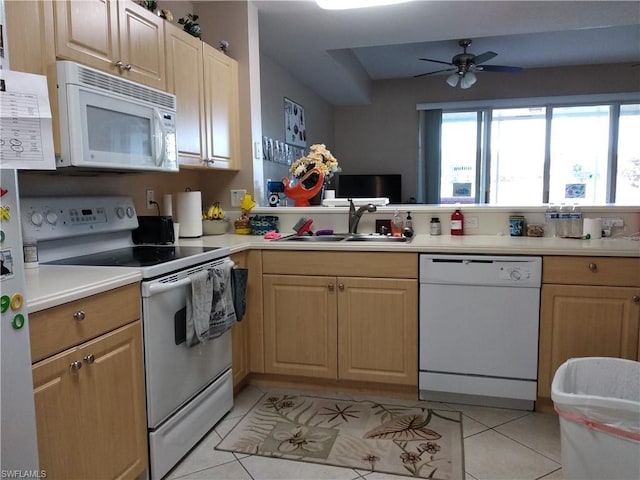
[176,231]
[593,228]
[329,194]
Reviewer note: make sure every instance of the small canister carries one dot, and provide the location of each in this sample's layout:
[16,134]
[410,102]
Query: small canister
[435,228]
[516,225]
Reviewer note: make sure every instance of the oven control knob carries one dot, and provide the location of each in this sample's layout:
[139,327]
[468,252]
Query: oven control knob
[52,217]
[130,212]
[37,218]
[120,212]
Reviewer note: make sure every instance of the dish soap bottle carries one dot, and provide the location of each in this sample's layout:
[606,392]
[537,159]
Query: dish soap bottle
[396,225]
[407,231]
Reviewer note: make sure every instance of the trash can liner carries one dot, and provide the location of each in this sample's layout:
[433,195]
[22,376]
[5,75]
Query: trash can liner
[603,391]
[603,427]
[598,402]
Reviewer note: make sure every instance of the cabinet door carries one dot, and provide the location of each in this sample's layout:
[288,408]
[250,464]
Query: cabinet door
[378,330]
[91,421]
[87,32]
[184,80]
[142,44]
[221,108]
[583,321]
[300,334]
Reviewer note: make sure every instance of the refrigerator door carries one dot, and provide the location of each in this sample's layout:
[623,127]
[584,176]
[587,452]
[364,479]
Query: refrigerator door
[19,441]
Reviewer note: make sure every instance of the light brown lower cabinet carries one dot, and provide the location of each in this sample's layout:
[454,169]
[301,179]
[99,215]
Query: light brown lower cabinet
[341,327]
[590,307]
[89,398]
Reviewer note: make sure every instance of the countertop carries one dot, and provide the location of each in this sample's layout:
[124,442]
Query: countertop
[51,285]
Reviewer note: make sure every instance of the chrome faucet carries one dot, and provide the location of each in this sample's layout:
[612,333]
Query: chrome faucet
[355,215]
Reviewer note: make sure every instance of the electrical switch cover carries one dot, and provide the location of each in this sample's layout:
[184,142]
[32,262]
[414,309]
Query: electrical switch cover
[150,199]
[236,197]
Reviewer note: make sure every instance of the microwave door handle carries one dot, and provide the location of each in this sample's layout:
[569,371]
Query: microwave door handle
[163,138]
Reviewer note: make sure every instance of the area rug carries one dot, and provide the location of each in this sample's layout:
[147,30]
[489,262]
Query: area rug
[396,439]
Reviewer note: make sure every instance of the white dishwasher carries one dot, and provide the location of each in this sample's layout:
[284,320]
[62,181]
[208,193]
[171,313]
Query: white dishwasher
[479,318]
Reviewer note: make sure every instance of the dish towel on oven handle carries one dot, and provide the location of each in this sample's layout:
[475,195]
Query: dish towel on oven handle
[210,310]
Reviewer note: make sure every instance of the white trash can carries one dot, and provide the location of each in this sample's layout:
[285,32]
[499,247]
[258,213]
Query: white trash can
[598,401]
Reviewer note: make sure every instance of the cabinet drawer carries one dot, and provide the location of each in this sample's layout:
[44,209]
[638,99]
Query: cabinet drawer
[611,271]
[56,329]
[353,264]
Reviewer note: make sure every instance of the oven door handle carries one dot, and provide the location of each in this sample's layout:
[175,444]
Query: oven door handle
[158,288]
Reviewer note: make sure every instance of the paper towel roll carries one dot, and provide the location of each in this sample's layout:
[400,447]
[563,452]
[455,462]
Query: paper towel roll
[189,210]
[167,205]
[592,227]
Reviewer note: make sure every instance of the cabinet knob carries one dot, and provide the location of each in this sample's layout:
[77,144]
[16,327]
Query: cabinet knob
[593,267]
[341,286]
[331,287]
[89,359]
[75,366]
[79,315]
[636,299]
[121,65]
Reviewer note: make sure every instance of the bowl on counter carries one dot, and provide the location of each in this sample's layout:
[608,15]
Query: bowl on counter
[215,227]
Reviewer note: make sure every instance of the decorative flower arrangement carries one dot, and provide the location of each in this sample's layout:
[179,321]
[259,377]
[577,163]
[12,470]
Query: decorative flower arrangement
[319,157]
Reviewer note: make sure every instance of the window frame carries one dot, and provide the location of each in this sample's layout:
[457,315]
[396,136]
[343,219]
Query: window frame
[484,111]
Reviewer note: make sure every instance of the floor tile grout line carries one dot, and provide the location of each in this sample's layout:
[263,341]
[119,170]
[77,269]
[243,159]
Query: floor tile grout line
[549,473]
[203,469]
[526,446]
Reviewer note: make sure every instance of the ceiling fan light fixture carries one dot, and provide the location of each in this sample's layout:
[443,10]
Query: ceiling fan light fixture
[348,4]
[468,80]
[452,79]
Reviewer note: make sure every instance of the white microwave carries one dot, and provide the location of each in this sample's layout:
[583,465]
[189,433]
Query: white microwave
[110,123]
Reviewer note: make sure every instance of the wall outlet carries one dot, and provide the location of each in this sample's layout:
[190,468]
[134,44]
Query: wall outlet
[470,222]
[612,222]
[236,197]
[151,197]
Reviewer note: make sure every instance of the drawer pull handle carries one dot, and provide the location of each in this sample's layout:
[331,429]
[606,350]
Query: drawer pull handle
[75,366]
[593,267]
[636,299]
[120,64]
[79,315]
[331,287]
[90,359]
[341,286]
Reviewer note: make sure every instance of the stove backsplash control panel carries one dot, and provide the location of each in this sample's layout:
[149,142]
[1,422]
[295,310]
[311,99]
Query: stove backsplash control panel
[49,218]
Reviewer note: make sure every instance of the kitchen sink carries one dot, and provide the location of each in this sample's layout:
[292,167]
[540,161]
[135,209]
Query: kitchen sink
[345,237]
[313,238]
[376,238]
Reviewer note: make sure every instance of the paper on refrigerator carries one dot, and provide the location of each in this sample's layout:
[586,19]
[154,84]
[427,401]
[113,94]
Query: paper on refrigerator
[26,135]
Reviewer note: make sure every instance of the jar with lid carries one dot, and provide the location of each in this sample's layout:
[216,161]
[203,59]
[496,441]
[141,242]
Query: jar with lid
[435,228]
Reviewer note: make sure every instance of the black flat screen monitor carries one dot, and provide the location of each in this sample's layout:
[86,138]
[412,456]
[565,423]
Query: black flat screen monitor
[370,186]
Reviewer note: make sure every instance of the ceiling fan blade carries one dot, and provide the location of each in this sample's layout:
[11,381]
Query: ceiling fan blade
[436,61]
[484,57]
[437,71]
[498,68]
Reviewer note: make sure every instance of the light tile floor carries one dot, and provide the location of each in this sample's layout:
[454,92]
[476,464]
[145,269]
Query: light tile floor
[498,444]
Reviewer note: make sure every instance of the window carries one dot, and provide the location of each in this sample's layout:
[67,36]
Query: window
[580,153]
[628,168]
[517,156]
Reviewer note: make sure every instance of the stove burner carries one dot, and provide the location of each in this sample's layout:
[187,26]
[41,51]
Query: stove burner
[138,256]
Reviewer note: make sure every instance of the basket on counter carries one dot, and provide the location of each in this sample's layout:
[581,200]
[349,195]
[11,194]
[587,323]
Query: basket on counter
[262,224]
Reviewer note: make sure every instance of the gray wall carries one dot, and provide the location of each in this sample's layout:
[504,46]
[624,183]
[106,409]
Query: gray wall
[275,84]
[382,137]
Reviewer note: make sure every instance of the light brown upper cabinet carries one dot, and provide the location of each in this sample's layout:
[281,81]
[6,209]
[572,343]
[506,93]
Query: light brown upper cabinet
[115,36]
[205,82]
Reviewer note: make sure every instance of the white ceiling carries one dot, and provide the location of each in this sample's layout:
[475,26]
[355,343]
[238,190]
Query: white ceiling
[338,53]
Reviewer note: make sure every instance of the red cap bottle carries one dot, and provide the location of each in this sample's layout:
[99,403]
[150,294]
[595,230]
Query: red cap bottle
[457,223]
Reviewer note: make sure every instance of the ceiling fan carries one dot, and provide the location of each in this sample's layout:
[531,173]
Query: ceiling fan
[466,64]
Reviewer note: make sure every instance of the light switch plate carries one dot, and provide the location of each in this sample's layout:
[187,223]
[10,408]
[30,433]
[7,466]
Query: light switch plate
[236,197]
[470,222]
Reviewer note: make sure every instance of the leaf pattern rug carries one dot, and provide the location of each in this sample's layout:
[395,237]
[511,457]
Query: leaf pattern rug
[413,441]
